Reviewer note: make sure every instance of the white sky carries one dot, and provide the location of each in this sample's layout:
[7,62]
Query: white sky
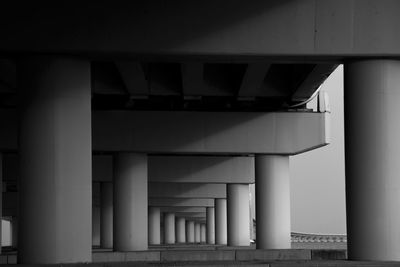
[317,177]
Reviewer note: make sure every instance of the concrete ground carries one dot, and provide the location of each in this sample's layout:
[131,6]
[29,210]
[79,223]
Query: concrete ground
[209,255]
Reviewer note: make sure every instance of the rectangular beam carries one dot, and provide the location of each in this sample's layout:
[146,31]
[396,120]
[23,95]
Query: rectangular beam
[201,169]
[186,190]
[285,133]
[181,202]
[192,78]
[133,76]
[314,79]
[183,209]
[253,80]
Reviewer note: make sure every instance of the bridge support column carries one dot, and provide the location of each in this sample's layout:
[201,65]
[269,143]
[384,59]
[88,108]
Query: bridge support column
[154,226]
[220,222]
[130,202]
[210,217]
[106,215]
[169,228]
[180,230]
[272,202]
[372,130]
[189,231]
[238,214]
[197,232]
[203,231]
[55,149]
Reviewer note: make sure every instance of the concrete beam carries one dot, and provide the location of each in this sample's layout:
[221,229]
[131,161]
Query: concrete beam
[181,202]
[278,133]
[285,133]
[133,76]
[185,169]
[201,169]
[183,209]
[289,29]
[186,190]
[192,78]
[313,80]
[253,80]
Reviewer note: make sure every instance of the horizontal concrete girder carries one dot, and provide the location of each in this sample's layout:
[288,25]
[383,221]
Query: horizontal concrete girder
[285,133]
[186,190]
[186,169]
[183,209]
[181,202]
[286,28]
[200,169]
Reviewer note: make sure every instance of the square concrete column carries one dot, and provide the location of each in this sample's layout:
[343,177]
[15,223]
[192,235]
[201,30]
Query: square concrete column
[169,228]
[238,214]
[55,148]
[203,231]
[154,226]
[272,202]
[180,230]
[130,202]
[210,220]
[106,215]
[221,226]
[372,131]
[197,232]
[190,231]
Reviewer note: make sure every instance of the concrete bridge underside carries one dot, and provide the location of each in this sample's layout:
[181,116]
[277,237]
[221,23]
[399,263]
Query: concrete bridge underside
[129,118]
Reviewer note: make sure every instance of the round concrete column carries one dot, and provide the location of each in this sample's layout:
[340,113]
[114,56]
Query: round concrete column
[220,222]
[372,131]
[130,202]
[203,230]
[55,149]
[169,228]
[210,214]
[197,232]
[154,226]
[106,215]
[272,202]
[180,230]
[238,207]
[189,231]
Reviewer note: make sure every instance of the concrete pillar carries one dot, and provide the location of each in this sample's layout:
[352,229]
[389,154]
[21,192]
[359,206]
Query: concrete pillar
[189,231]
[210,214]
[238,214]
[130,202]
[154,226]
[197,232]
[221,230]
[169,228]
[106,215]
[180,230]
[14,232]
[203,231]
[96,226]
[55,149]
[272,202]
[372,130]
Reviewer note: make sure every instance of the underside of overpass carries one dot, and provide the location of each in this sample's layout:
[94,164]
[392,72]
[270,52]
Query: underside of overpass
[132,125]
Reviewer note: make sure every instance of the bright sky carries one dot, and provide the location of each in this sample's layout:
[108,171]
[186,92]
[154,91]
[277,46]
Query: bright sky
[317,177]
